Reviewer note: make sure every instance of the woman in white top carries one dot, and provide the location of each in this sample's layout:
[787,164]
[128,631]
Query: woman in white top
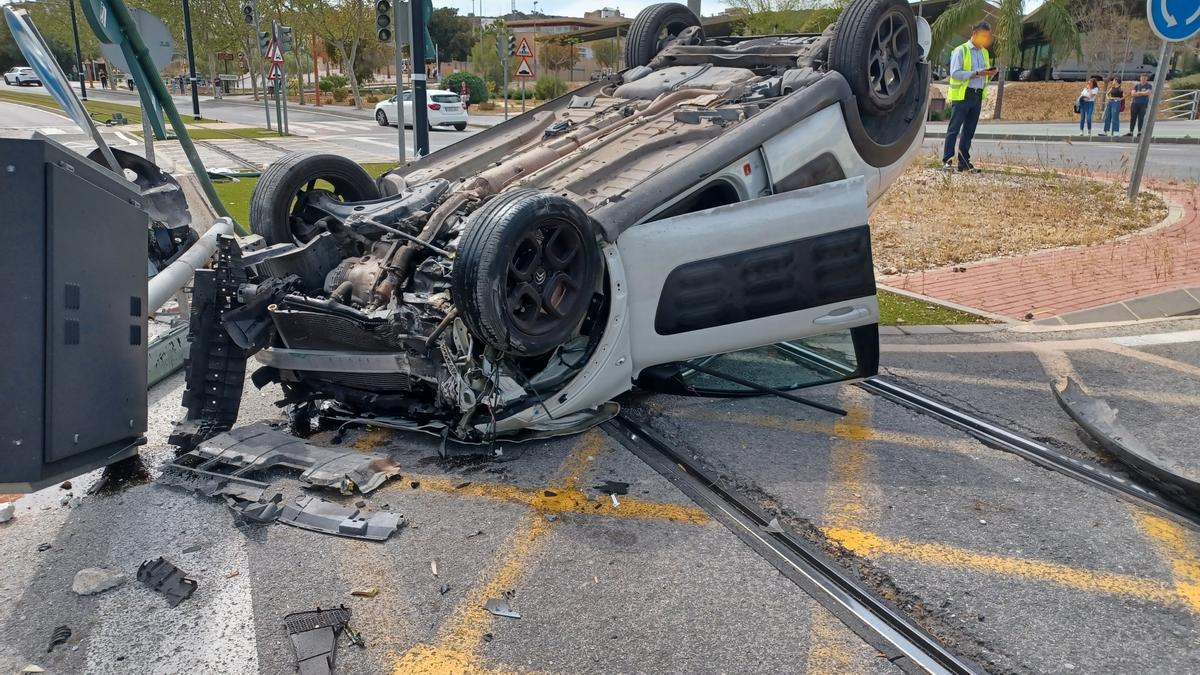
[1087,104]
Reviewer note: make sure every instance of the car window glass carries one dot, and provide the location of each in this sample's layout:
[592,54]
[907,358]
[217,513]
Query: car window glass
[445,98]
[788,365]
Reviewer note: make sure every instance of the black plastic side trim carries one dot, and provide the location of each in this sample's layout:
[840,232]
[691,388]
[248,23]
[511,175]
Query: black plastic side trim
[767,281]
[824,169]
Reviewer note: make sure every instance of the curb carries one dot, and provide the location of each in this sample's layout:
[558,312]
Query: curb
[1171,140]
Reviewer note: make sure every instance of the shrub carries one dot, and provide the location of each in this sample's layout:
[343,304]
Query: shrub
[371,98]
[330,83]
[487,105]
[1184,83]
[550,86]
[477,89]
[515,93]
[340,94]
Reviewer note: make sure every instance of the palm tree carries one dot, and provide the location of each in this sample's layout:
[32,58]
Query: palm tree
[1053,18]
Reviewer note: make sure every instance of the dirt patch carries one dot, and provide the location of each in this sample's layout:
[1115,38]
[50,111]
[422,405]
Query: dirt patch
[931,218]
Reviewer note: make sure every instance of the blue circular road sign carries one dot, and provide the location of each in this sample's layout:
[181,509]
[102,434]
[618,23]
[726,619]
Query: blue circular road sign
[1174,20]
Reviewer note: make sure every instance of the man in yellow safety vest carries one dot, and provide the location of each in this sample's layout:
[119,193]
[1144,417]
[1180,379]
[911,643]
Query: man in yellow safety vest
[970,68]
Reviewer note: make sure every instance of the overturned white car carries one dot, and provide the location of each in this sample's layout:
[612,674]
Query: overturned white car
[710,199]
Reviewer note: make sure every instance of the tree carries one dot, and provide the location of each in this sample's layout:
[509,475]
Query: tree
[342,24]
[453,34]
[1053,18]
[484,59]
[558,56]
[1109,37]
[766,17]
[607,53]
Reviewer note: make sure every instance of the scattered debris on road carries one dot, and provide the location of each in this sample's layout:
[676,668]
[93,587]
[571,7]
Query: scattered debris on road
[365,592]
[92,580]
[313,635]
[164,577]
[612,487]
[433,567]
[59,637]
[319,515]
[43,547]
[7,510]
[476,533]
[32,668]
[257,511]
[773,527]
[444,589]
[500,607]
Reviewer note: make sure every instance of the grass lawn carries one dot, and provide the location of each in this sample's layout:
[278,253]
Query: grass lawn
[899,309]
[236,194]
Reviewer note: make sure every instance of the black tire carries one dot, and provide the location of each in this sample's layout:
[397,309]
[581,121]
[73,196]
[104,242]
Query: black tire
[381,117]
[538,248]
[653,27]
[460,126]
[275,212]
[875,49]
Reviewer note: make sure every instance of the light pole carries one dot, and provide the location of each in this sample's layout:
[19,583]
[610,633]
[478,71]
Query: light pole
[187,34]
[78,52]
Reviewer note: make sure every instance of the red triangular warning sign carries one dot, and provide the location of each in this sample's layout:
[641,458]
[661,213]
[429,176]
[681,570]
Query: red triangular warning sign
[276,72]
[274,53]
[524,70]
[523,49]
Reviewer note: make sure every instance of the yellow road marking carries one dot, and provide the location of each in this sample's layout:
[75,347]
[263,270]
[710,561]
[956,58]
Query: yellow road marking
[458,644]
[1180,549]
[869,544]
[849,498]
[861,432]
[564,499]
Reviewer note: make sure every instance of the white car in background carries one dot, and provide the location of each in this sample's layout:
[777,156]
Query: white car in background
[445,109]
[20,76]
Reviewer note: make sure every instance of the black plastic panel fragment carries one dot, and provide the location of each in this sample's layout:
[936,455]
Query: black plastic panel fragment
[767,281]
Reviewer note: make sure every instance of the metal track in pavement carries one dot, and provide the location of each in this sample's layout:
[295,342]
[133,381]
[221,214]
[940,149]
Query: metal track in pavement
[1038,453]
[884,627]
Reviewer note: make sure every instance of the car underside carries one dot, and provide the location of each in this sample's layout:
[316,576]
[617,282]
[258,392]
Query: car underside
[711,197]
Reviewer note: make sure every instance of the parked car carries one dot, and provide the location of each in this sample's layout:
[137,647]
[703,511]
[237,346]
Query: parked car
[21,76]
[709,203]
[445,108]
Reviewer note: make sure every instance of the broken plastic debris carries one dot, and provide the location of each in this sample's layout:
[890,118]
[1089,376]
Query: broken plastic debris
[612,487]
[313,636]
[166,578]
[500,607]
[615,503]
[58,637]
[32,668]
[319,515]
[773,527]
[476,533]
[365,592]
[433,566]
[444,589]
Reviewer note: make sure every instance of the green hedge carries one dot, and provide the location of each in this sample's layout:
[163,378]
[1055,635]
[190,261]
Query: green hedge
[476,87]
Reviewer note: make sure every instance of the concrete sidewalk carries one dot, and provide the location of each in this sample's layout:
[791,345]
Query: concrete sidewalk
[1067,280]
[1165,131]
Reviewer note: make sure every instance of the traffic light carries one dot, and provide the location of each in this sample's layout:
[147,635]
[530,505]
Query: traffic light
[264,41]
[500,45]
[248,12]
[512,44]
[286,43]
[383,20]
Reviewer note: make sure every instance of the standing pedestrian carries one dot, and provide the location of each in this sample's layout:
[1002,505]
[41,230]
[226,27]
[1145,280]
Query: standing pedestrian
[1087,104]
[465,94]
[1114,99]
[1141,101]
[970,69]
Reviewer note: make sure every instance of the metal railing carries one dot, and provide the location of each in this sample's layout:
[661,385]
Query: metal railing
[1183,105]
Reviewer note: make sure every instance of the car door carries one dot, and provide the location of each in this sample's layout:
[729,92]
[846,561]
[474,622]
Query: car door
[764,271]
[407,97]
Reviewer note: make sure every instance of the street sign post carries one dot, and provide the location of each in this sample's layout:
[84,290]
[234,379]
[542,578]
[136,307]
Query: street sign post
[1173,21]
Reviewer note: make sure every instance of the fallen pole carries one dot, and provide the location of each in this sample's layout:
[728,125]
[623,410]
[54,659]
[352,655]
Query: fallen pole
[165,284]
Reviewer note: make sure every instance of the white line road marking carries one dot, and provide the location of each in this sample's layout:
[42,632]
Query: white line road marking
[1180,337]
[127,139]
[372,141]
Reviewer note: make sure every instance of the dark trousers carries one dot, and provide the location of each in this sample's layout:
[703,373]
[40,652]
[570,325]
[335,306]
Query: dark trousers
[964,117]
[1137,118]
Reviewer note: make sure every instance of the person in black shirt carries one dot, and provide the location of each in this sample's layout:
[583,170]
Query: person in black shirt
[1112,107]
[1141,102]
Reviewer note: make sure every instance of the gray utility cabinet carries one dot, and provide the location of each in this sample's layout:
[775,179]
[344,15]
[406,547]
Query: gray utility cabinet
[72,315]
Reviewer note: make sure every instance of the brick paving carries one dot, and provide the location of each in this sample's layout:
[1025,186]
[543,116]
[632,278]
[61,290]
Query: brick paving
[1049,283]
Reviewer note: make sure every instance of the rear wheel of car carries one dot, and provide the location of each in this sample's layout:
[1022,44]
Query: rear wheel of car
[460,126]
[278,205]
[653,28]
[381,117]
[526,270]
[875,49]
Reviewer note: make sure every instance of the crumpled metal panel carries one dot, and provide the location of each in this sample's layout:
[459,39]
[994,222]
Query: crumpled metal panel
[259,447]
[319,515]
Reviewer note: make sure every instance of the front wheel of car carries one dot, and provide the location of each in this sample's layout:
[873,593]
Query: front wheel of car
[381,117]
[526,270]
[875,49]
[653,28]
[280,210]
